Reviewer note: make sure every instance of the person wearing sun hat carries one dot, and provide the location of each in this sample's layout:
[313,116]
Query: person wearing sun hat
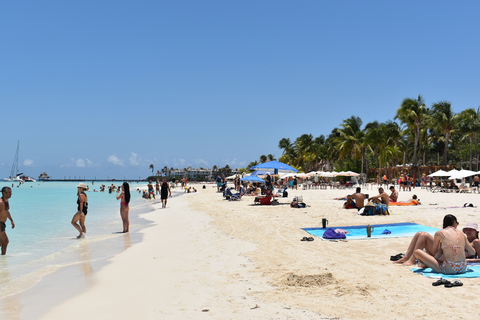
[471,231]
[81,213]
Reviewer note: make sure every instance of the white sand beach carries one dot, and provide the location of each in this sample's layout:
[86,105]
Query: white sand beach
[208,258]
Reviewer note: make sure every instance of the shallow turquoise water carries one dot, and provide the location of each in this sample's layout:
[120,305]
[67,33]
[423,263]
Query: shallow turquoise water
[44,239]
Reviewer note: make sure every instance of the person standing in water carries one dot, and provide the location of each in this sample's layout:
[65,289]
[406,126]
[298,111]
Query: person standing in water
[82,208]
[125,197]
[164,192]
[4,215]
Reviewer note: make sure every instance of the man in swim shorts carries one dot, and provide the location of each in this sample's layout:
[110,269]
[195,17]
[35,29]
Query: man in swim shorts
[394,194]
[151,193]
[4,215]
[382,197]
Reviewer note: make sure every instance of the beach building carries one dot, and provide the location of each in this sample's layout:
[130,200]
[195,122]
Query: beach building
[197,174]
[43,176]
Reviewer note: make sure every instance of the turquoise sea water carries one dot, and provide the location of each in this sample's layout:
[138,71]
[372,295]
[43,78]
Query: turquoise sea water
[44,239]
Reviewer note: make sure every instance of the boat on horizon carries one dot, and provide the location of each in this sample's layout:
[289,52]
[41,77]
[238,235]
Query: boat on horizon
[16,176]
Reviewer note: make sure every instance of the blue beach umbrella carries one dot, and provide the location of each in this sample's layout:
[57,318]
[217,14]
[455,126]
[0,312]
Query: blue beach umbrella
[252,179]
[275,166]
[261,173]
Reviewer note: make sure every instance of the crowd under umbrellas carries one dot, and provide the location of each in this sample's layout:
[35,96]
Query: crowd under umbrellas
[454,175]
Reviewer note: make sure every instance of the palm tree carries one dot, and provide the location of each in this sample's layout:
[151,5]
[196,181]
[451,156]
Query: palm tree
[165,171]
[263,158]
[350,138]
[445,120]
[151,167]
[374,140]
[271,157]
[412,112]
[304,146]
[251,164]
[287,147]
[468,125]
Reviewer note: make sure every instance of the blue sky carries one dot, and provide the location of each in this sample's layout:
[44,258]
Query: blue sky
[105,88]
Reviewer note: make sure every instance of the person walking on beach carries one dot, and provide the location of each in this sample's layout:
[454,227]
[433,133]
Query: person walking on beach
[219,183]
[268,181]
[4,215]
[165,191]
[125,197]
[82,208]
[157,187]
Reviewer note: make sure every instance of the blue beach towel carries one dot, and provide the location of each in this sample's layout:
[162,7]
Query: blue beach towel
[473,271]
[405,229]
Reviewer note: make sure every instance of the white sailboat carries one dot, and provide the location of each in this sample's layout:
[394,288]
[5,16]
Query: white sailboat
[15,176]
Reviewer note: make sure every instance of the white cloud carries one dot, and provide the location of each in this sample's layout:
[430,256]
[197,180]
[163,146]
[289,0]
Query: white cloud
[27,162]
[134,159]
[179,163]
[80,163]
[200,163]
[115,160]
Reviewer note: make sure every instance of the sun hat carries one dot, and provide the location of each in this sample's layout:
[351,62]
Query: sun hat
[82,185]
[471,225]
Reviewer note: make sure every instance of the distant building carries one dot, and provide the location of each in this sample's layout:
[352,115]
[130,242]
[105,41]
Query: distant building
[43,176]
[191,173]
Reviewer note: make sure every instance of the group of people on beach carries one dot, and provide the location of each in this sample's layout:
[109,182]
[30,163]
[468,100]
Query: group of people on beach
[78,220]
[448,251]
[357,199]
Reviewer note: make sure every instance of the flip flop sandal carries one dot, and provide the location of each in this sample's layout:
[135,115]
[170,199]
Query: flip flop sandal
[310,239]
[304,239]
[455,283]
[440,282]
[397,257]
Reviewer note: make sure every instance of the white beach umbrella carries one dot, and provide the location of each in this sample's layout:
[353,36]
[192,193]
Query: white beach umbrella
[327,174]
[348,174]
[462,174]
[440,173]
[287,175]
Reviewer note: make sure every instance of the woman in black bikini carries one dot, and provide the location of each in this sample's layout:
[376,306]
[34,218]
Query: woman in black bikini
[125,196]
[164,191]
[82,208]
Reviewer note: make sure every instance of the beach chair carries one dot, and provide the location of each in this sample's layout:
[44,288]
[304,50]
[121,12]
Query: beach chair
[266,200]
[281,192]
[237,196]
[464,189]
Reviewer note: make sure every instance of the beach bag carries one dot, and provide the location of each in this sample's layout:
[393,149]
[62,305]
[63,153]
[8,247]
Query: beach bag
[331,234]
[295,204]
[369,210]
[285,194]
[382,209]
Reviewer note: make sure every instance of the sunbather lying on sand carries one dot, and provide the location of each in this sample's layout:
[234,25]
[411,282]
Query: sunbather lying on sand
[445,252]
